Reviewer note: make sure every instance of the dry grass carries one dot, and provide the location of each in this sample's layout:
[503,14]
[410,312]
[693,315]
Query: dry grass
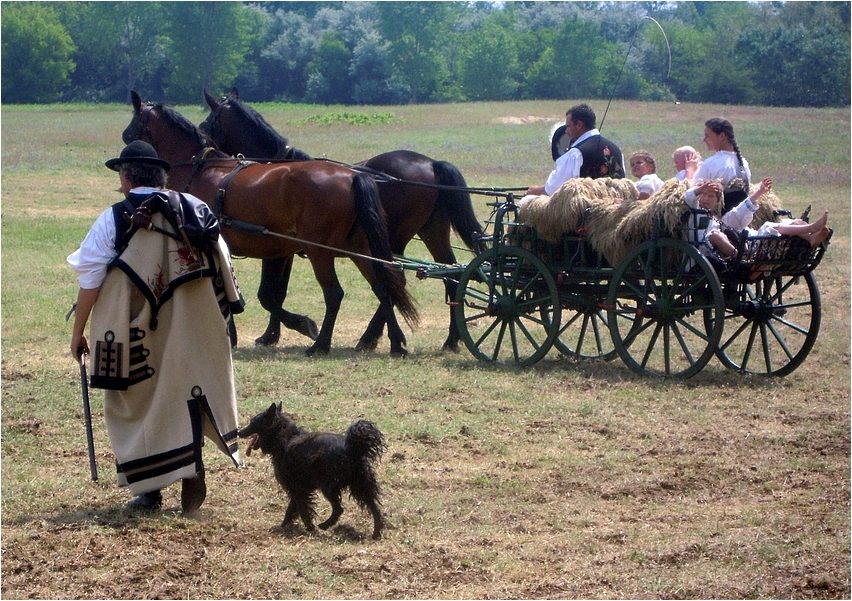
[563,480]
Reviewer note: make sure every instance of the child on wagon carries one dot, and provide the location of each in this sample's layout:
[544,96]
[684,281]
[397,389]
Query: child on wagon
[643,166]
[714,238]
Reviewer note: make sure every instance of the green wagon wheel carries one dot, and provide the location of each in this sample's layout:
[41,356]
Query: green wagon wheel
[665,309]
[506,326]
[771,325]
[584,333]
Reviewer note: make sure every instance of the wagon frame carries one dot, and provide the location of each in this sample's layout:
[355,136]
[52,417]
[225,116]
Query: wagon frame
[665,310]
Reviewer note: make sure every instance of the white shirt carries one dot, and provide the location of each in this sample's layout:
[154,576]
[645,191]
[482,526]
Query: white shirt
[723,165]
[737,219]
[649,184]
[97,250]
[568,165]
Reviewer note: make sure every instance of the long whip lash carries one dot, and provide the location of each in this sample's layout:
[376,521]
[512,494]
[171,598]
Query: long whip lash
[629,48]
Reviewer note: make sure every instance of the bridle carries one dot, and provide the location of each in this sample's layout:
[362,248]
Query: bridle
[213,123]
[140,125]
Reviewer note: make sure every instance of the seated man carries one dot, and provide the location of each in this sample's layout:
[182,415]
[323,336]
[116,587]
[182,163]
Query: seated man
[591,155]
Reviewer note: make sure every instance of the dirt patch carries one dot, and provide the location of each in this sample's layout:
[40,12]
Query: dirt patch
[516,120]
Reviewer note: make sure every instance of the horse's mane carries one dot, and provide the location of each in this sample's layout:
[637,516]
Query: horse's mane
[257,120]
[178,121]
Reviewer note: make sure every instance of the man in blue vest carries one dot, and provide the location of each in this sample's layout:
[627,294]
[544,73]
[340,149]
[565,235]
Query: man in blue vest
[590,155]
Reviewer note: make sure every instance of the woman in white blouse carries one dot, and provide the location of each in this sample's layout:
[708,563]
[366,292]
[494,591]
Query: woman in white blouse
[726,164]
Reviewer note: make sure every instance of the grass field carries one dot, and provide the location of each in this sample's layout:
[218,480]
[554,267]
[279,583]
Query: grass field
[562,480]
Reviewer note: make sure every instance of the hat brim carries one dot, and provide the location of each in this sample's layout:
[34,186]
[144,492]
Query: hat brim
[115,164]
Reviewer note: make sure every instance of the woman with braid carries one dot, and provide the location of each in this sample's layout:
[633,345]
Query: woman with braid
[727,164]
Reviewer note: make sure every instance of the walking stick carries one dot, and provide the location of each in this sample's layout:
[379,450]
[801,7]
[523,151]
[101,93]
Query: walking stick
[87,411]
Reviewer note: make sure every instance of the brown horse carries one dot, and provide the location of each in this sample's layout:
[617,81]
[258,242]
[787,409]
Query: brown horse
[422,196]
[321,209]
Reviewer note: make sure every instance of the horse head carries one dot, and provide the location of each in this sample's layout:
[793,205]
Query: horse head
[236,128]
[138,127]
[173,137]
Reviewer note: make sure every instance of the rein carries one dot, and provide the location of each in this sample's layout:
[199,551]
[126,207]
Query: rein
[383,178]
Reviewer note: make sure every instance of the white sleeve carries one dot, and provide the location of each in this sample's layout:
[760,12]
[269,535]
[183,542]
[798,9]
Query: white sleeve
[691,198]
[740,216]
[649,184]
[97,250]
[567,166]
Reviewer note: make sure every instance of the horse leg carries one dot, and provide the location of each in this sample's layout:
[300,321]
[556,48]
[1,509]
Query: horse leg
[395,333]
[384,314]
[370,338]
[332,293]
[435,234]
[274,280]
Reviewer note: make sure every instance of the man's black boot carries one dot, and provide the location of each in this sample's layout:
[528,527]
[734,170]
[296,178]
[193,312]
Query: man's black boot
[149,501]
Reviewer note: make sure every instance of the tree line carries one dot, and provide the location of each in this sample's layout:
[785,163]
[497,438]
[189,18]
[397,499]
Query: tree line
[363,53]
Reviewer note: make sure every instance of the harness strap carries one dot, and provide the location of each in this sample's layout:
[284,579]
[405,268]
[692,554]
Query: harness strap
[196,166]
[219,201]
[284,153]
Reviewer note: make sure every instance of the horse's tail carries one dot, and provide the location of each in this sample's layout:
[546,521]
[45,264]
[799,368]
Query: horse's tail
[456,203]
[372,219]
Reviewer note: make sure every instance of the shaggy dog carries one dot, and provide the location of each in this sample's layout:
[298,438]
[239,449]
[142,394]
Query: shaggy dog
[305,462]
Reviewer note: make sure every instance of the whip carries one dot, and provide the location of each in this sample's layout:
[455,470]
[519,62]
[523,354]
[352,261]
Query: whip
[87,412]
[629,48]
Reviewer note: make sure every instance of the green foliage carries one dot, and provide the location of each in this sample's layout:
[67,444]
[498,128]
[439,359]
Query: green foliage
[414,30]
[813,56]
[350,118]
[208,41]
[124,33]
[36,53]
[784,54]
[488,63]
[328,72]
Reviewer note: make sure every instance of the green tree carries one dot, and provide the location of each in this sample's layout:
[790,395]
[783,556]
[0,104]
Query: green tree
[578,64]
[812,62]
[488,63]
[413,30]
[207,45]
[126,34]
[328,72]
[36,53]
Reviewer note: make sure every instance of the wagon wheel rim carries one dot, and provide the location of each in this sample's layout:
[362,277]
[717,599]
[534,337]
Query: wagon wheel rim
[771,325]
[499,303]
[665,309]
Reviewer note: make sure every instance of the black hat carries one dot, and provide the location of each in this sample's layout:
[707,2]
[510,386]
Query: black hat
[138,152]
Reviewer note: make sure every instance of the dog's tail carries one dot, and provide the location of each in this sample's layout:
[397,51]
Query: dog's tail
[364,441]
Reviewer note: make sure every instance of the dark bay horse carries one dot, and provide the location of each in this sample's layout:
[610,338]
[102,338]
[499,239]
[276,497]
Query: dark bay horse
[322,208]
[437,202]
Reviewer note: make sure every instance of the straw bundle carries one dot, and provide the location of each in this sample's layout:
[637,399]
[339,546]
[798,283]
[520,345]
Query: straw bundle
[612,229]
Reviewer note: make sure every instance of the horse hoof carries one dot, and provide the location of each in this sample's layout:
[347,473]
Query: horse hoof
[267,340]
[308,327]
[315,350]
[367,345]
[451,346]
[399,352]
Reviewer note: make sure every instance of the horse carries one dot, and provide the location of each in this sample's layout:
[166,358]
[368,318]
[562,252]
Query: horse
[421,196]
[271,212]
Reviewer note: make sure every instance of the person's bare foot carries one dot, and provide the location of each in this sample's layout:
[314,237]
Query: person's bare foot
[817,237]
[820,223]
